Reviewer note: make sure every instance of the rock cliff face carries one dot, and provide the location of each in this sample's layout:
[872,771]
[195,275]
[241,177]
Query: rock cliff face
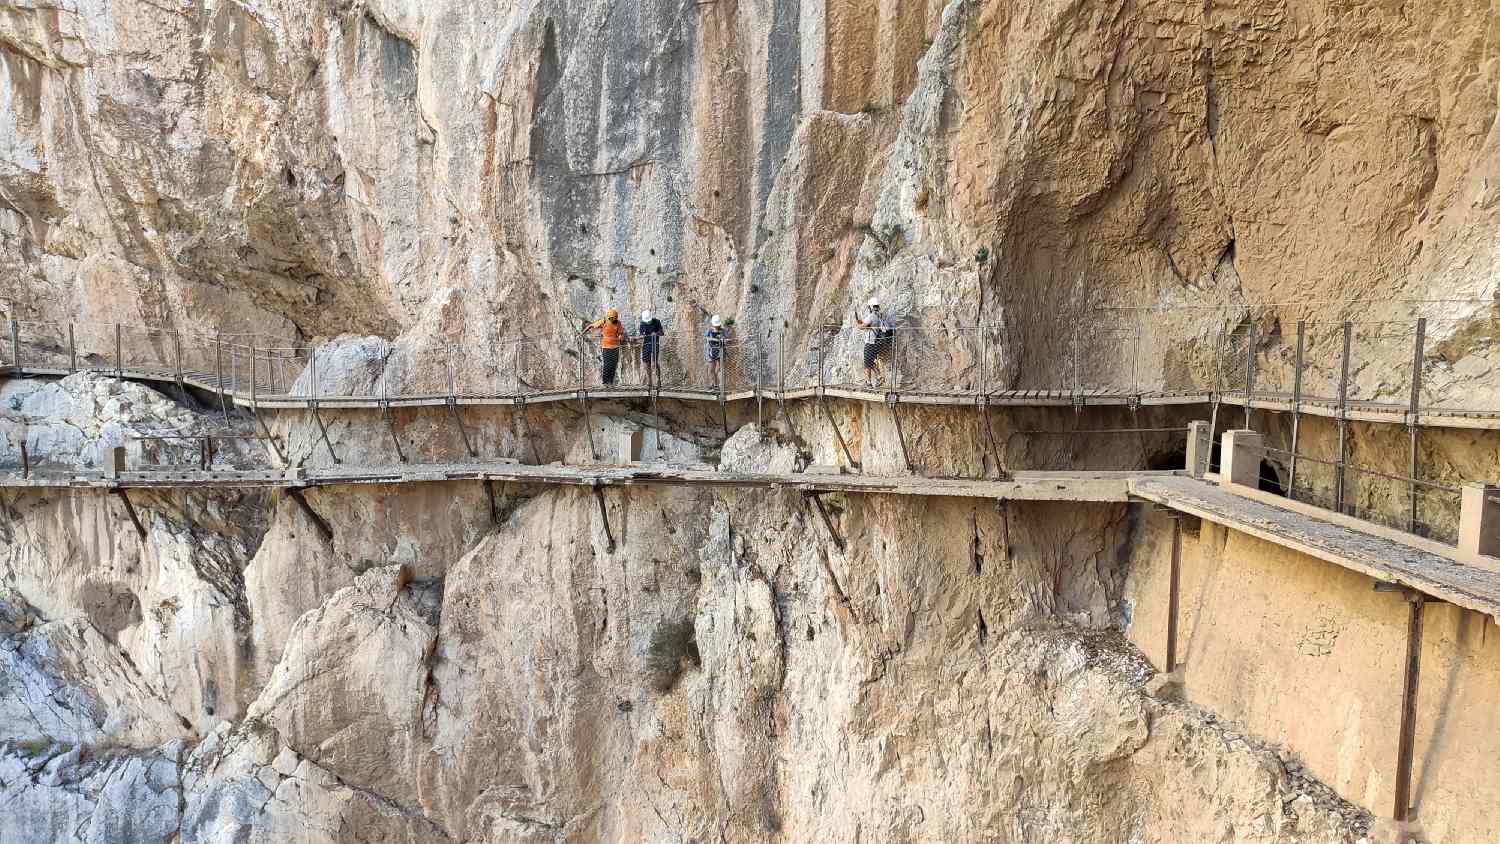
[450,174]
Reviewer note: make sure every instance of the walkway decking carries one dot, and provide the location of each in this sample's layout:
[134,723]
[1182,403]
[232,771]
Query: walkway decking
[1024,486]
[1418,564]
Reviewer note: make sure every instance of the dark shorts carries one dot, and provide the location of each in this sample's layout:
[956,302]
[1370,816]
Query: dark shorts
[611,362]
[650,352]
[873,351]
[714,353]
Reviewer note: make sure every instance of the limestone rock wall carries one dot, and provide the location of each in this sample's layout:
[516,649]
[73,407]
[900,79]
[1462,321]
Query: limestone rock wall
[455,172]
[415,182]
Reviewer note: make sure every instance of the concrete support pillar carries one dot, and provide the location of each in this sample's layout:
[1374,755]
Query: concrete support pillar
[114,462]
[1240,457]
[1199,448]
[630,446]
[1479,525]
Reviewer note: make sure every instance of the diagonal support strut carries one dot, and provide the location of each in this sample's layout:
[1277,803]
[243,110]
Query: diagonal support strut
[135,518]
[604,515]
[816,497]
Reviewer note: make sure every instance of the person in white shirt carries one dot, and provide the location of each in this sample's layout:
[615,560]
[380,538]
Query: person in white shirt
[878,336]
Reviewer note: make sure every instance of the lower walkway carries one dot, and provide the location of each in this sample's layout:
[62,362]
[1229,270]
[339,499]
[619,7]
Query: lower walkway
[1387,556]
[1421,565]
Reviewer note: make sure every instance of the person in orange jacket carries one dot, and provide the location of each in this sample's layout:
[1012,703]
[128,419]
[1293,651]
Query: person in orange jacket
[611,332]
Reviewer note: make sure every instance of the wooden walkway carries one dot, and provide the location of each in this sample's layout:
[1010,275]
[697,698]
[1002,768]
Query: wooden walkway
[263,398]
[1023,486]
[1423,565]
[1418,564]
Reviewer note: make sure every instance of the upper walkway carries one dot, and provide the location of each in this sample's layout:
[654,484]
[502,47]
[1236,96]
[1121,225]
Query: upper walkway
[940,366]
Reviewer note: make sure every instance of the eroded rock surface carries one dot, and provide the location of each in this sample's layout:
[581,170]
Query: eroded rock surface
[417,184]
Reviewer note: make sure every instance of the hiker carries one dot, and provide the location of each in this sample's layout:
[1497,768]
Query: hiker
[717,335]
[650,332]
[611,331]
[878,336]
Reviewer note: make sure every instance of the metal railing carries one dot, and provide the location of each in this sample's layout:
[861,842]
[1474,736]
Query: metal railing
[1405,367]
[1419,506]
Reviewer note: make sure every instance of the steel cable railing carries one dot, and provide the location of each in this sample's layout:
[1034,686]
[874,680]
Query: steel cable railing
[1419,506]
[1341,365]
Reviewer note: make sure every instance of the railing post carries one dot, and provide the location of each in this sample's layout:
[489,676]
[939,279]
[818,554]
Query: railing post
[1413,422]
[1291,481]
[821,342]
[177,357]
[15,343]
[1250,338]
[896,360]
[1338,494]
[760,412]
[72,349]
[254,375]
[219,385]
[119,352]
[1077,362]
[452,386]
[781,368]
[984,360]
[312,367]
[1135,357]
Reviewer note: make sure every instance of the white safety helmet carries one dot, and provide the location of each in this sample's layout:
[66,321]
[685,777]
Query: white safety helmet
[646,316]
[874,303]
[717,321]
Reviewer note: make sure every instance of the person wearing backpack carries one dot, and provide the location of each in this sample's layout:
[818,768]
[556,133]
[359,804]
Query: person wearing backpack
[717,335]
[878,337]
[650,332]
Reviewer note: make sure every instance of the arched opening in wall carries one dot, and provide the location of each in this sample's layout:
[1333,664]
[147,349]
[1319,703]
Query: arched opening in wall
[1272,478]
[1167,461]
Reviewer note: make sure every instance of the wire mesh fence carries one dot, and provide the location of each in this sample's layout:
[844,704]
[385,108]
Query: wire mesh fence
[1457,355]
[1264,356]
[1106,358]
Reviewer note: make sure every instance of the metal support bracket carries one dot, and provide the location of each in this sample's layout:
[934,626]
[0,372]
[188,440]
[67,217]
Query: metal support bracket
[1174,593]
[269,439]
[489,491]
[462,431]
[816,497]
[536,455]
[1411,678]
[390,425]
[322,429]
[1003,506]
[604,515]
[135,518]
[892,400]
[588,424]
[324,530]
[993,444]
[849,456]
